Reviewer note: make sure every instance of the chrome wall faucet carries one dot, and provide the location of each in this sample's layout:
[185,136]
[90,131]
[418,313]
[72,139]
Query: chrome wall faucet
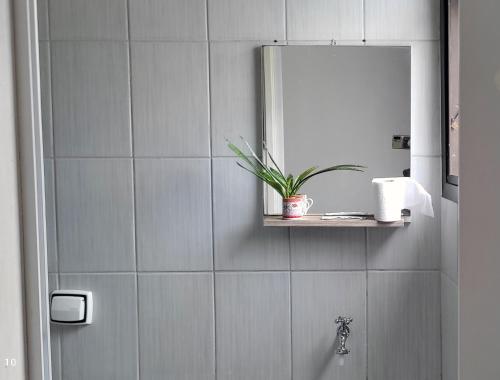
[343,332]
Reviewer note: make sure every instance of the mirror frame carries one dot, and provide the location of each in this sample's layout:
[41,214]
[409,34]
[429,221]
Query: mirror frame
[269,106]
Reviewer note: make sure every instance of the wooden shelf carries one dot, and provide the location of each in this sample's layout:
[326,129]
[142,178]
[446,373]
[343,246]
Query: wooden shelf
[315,221]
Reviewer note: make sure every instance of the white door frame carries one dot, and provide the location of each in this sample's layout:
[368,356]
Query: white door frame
[32,188]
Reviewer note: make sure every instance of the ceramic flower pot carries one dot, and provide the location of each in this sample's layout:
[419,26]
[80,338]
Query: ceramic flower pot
[296,206]
[306,202]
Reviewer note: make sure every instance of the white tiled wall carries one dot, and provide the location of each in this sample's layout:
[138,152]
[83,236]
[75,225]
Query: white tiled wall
[148,209]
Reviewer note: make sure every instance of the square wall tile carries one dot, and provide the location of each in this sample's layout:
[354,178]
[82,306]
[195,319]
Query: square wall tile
[50,215]
[55,335]
[91,98]
[95,215]
[246,20]
[43,19]
[176,326]
[108,348]
[170,99]
[240,239]
[325,19]
[449,326]
[235,94]
[328,248]
[426,99]
[46,98]
[253,326]
[318,299]
[415,246]
[402,19]
[404,337]
[88,19]
[174,214]
[175,20]
[418,244]
[449,239]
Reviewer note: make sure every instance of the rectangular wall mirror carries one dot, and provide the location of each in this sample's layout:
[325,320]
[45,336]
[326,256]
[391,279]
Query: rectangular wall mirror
[330,105]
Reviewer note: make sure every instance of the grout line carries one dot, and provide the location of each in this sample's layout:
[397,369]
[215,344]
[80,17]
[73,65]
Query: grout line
[128,273]
[145,272]
[286,22]
[167,41]
[131,157]
[78,40]
[209,78]
[427,155]
[57,332]
[134,193]
[213,257]
[268,40]
[290,299]
[54,184]
[139,40]
[214,316]
[441,324]
[404,270]
[366,302]
[138,335]
[54,209]
[363,21]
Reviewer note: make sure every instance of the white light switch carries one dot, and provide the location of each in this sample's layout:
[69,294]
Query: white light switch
[71,307]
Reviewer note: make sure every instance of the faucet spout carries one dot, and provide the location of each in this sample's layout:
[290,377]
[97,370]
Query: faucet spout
[343,332]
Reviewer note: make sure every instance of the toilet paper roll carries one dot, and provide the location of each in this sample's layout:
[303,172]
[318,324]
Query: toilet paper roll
[394,194]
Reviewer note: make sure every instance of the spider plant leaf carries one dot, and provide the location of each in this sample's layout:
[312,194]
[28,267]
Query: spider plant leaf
[279,178]
[240,154]
[357,168]
[289,185]
[254,155]
[286,186]
[301,176]
[264,146]
[269,180]
[257,164]
[256,173]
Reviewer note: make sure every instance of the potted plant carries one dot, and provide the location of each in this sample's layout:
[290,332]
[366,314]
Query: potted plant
[288,186]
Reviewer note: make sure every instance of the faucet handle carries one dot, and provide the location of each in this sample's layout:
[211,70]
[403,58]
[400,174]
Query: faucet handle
[343,321]
[343,332]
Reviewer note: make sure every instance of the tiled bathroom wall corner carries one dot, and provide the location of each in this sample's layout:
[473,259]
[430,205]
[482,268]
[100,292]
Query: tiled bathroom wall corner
[188,283]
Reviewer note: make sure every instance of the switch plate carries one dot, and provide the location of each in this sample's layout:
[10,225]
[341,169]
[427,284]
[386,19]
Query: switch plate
[71,307]
[401,142]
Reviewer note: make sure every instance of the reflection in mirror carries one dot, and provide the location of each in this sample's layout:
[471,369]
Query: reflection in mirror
[329,105]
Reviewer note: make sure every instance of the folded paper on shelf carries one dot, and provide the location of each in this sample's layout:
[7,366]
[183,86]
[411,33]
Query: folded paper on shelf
[394,194]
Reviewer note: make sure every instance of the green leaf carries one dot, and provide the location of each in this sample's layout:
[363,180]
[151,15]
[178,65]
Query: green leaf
[240,154]
[274,177]
[264,167]
[305,173]
[257,165]
[356,168]
[269,180]
[264,146]
[289,185]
